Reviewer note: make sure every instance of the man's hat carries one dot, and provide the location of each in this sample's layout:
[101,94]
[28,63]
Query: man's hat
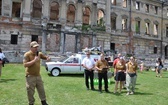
[34,44]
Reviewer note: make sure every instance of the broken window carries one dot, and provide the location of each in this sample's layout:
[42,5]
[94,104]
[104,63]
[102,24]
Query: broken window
[14,39]
[113,23]
[156,10]
[100,19]
[16,9]
[147,28]
[34,38]
[54,11]
[147,8]
[155,30]
[137,6]
[166,31]
[124,24]
[155,50]
[37,9]
[86,16]
[0,7]
[137,27]
[71,14]
[124,3]
[113,2]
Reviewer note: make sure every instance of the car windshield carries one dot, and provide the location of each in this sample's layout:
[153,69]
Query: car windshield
[63,58]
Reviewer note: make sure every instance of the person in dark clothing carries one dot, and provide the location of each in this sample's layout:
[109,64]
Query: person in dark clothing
[89,64]
[102,67]
[159,66]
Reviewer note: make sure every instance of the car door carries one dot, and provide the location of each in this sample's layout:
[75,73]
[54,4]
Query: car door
[72,65]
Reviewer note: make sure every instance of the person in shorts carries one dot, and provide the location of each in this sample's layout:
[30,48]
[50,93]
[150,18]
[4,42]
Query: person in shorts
[119,74]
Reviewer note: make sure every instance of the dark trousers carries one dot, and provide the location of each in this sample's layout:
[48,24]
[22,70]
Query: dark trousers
[89,74]
[103,76]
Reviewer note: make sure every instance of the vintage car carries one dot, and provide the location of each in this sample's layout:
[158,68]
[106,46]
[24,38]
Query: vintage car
[72,64]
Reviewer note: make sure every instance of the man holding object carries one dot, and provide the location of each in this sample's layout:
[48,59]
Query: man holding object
[89,63]
[102,67]
[31,63]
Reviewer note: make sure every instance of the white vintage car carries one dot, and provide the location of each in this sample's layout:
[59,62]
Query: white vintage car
[72,64]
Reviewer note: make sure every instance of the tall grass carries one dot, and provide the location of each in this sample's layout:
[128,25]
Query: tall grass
[70,89]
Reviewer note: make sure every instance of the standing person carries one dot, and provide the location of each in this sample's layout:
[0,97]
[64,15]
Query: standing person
[114,64]
[89,64]
[116,60]
[131,75]
[119,72]
[141,66]
[102,67]
[2,56]
[159,67]
[31,63]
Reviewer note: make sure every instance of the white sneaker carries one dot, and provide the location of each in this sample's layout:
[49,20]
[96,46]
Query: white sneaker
[132,93]
[128,93]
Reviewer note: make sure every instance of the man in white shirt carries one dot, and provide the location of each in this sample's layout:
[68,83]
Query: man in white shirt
[89,64]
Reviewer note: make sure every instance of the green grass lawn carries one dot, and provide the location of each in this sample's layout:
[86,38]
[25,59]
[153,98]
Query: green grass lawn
[70,89]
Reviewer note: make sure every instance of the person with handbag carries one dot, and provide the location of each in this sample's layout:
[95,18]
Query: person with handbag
[131,75]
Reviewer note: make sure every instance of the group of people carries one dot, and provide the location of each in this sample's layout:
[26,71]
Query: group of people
[101,66]
[124,72]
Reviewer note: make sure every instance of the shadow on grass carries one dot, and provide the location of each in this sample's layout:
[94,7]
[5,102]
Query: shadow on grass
[164,77]
[141,93]
[138,84]
[6,80]
[136,93]
[69,75]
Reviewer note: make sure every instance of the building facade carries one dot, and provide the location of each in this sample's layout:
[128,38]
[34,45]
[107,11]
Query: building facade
[138,27]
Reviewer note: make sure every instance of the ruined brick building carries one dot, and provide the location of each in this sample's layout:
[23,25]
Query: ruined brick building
[138,27]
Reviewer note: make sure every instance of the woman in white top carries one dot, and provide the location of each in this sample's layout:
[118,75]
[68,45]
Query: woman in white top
[2,56]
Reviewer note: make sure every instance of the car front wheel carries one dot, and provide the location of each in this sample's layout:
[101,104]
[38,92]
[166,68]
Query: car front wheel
[55,72]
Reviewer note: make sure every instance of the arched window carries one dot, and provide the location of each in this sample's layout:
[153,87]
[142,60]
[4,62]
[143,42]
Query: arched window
[124,22]
[54,11]
[147,25]
[100,18]
[113,2]
[16,9]
[37,9]
[155,28]
[137,25]
[71,14]
[86,16]
[113,21]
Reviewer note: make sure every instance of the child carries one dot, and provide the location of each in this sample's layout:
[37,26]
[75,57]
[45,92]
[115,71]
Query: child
[141,66]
